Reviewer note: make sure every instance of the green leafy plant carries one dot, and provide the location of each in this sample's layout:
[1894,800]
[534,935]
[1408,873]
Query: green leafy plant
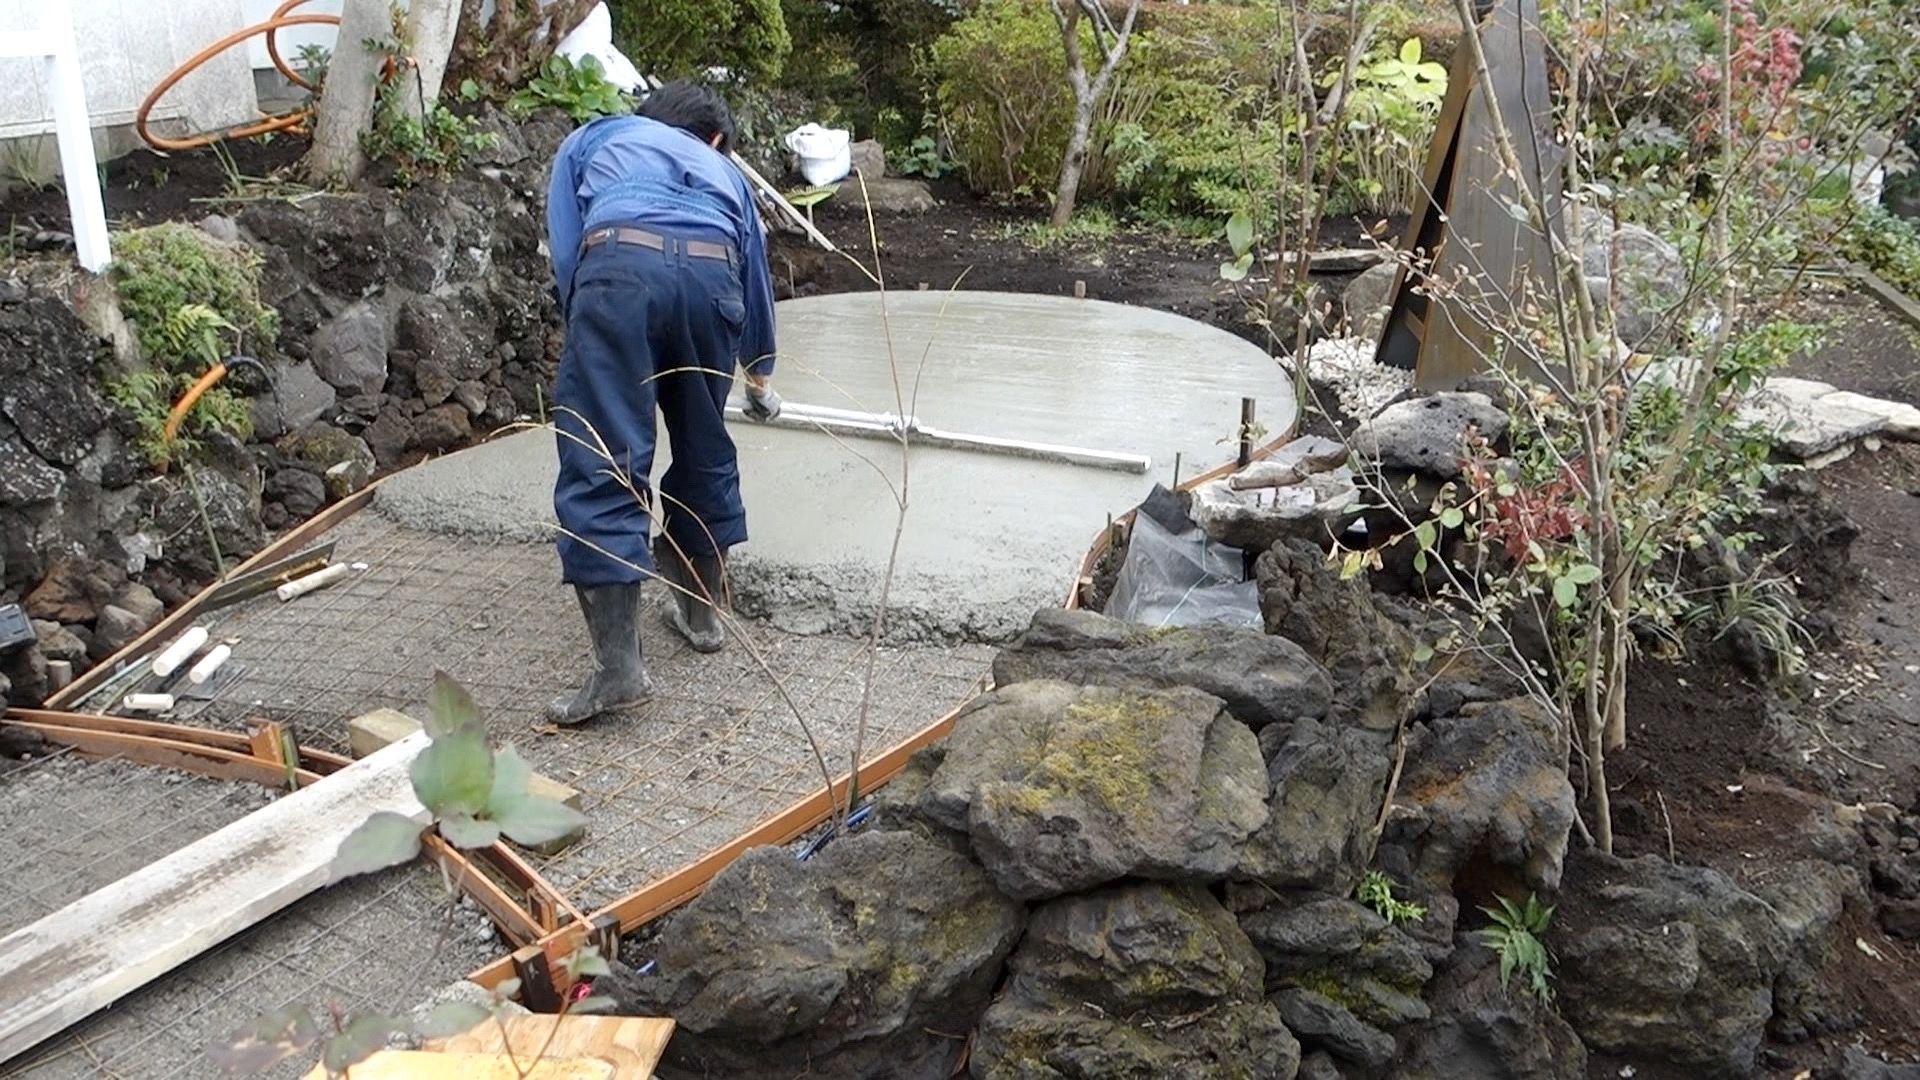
[193,301]
[474,794]
[1391,112]
[922,158]
[1240,242]
[580,90]
[1376,891]
[1516,938]
[1887,244]
[1092,225]
[675,38]
[311,61]
[435,143]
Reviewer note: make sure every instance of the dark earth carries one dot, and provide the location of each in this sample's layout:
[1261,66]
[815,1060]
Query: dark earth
[1701,778]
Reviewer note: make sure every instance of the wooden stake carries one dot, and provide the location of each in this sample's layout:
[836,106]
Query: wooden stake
[1079,289]
[605,935]
[537,991]
[1246,432]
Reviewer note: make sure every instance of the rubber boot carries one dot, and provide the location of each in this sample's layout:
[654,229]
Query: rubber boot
[619,679]
[691,615]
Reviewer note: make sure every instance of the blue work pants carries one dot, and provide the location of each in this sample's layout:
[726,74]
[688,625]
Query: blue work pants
[646,328]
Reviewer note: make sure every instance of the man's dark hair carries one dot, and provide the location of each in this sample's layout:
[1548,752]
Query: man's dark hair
[692,108]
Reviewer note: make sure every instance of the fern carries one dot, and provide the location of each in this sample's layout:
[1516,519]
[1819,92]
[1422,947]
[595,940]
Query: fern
[1376,891]
[1515,937]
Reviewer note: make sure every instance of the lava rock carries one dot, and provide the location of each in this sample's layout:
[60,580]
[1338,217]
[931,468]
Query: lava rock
[318,448]
[1429,434]
[302,493]
[444,428]
[1672,963]
[1327,782]
[390,436]
[1488,787]
[433,382]
[1134,980]
[1263,679]
[438,333]
[1809,898]
[1639,275]
[844,964]
[1339,624]
[227,502]
[1857,1064]
[50,379]
[60,643]
[471,395]
[114,628]
[297,398]
[1483,1029]
[1061,788]
[350,350]
[1347,953]
[139,601]
[24,476]
[73,591]
[1318,1021]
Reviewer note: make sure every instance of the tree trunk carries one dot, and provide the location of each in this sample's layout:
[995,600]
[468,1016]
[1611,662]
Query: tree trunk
[346,105]
[430,25]
[1076,161]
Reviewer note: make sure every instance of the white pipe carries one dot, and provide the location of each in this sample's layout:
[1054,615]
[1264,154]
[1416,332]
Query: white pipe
[150,702]
[317,580]
[177,653]
[209,664]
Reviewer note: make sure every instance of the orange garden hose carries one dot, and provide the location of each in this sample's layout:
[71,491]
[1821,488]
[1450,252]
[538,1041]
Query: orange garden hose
[185,404]
[279,20]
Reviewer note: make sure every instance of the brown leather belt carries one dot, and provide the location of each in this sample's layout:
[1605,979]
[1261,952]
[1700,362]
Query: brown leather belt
[696,249]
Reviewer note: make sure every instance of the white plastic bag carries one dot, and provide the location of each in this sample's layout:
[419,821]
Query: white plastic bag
[1180,578]
[826,154]
[594,37]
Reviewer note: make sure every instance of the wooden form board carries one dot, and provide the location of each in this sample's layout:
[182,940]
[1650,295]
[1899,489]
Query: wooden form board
[1463,222]
[109,943]
[631,1045]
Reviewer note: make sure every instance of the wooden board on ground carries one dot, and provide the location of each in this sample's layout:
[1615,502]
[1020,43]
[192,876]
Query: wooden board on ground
[426,1065]
[631,1045]
[109,943]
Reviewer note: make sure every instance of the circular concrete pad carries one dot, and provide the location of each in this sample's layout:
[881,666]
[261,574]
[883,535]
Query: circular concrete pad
[987,538]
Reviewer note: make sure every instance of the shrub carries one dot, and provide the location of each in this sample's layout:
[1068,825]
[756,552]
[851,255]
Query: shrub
[1204,136]
[863,64]
[1888,245]
[580,90]
[1002,92]
[192,301]
[674,38]
[1391,114]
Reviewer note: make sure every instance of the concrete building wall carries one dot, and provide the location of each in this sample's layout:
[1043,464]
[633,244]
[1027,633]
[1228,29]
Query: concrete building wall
[125,48]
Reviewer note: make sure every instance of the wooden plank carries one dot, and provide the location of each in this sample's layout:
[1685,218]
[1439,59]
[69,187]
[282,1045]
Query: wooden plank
[184,616]
[425,1065]
[147,750]
[471,878]
[217,740]
[663,895]
[109,943]
[631,1044]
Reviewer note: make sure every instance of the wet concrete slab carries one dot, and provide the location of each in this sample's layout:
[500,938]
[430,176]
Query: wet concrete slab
[985,538]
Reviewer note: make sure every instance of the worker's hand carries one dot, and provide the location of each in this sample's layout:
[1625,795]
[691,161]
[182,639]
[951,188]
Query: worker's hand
[763,401]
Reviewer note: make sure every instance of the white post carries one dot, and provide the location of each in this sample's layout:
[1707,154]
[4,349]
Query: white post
[53,46]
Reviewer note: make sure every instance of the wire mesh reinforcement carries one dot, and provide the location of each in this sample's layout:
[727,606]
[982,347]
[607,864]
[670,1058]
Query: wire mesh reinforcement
[377,944]
[717,751]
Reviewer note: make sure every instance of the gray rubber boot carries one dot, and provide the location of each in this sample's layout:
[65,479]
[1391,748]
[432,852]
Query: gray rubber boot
[691,616]
[619,679]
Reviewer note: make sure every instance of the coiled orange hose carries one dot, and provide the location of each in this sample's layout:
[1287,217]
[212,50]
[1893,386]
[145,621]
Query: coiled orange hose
[279,20]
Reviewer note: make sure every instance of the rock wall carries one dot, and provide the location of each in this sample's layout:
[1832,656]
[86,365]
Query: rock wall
[411,323]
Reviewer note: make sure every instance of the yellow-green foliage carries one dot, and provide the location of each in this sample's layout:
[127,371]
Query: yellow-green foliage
[672,38]
[192,301]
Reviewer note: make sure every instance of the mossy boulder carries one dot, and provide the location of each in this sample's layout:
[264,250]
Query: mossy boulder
[848,964]
[1487,790]
[1135,980]
[1062,788]
[1263,679]
[1328,782]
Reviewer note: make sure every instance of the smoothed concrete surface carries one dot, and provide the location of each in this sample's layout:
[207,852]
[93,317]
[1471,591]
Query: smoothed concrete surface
[988,538]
